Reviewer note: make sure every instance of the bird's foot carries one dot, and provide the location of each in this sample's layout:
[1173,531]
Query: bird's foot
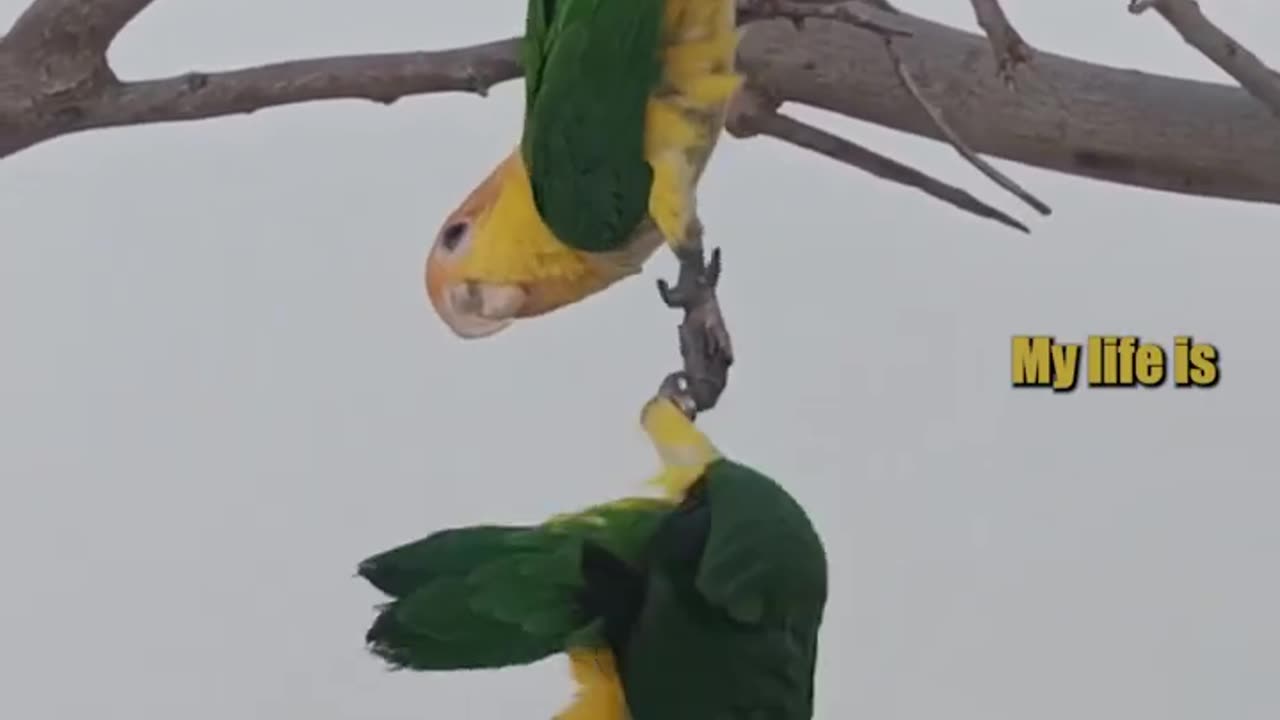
[676,388]
[705,344]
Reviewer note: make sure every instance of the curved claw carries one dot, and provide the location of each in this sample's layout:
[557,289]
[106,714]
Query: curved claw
[696,283]
[711,275]
[668,294]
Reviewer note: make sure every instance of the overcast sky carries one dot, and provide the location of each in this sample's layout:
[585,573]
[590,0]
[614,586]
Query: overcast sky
[221,386]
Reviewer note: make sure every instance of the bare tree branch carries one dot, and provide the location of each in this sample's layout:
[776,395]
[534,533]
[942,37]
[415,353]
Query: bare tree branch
[1234,59]
[382,78]
[1009,47]
[1076,117]
[956,141]
[74,26]
[1084,119]
[75,90]
[753,114]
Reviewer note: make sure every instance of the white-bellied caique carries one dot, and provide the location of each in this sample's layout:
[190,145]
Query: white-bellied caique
[704,604]
[624,103]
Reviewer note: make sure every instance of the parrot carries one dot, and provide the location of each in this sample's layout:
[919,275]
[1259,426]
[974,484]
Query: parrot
[703,602]
[624,103]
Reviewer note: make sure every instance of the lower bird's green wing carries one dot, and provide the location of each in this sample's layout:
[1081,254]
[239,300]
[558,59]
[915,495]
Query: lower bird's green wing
[734,589]
[763,558]
[590,66]
[490,596]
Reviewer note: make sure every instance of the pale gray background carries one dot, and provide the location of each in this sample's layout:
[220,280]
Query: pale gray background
[222,387]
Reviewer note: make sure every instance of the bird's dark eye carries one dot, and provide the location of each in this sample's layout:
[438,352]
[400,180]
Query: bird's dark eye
[452,235]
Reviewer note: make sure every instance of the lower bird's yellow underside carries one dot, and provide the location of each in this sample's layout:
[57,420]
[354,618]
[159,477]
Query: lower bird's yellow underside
[685,453]
[600,695]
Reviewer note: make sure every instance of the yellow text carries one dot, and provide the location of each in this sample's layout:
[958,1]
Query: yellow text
[1112,361]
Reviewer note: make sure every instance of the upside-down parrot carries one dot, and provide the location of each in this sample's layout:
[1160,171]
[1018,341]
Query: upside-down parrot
[624,102]
[703,604]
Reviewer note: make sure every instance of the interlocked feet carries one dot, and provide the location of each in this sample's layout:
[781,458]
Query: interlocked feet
[675,387]
[704,339]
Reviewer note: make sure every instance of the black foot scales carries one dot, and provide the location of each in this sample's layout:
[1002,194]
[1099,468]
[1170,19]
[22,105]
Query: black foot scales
[704,338]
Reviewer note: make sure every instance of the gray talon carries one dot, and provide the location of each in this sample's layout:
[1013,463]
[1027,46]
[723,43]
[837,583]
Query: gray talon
[704,338]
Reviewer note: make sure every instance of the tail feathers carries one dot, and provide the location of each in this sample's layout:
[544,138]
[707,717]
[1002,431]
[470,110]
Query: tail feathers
[403,569]
[438,628]
[477,597]
[492,596]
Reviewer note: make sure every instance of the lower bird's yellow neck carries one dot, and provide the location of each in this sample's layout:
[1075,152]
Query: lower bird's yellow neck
[685,451]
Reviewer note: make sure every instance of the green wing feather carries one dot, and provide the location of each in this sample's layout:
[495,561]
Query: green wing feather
[762,556]
[590,66]
[490,596]
[736,585]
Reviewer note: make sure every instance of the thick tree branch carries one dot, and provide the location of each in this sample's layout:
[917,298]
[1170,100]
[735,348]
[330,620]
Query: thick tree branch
[382,78]
[1221,48]
[1080,118]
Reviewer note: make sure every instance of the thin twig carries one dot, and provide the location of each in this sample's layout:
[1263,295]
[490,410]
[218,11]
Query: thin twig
[1233,58]
[753,114]
[1009,47]
[935,114]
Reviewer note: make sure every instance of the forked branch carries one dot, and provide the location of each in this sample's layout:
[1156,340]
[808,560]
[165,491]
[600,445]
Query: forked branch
[1083,119]
[1010,49]
[1225,52]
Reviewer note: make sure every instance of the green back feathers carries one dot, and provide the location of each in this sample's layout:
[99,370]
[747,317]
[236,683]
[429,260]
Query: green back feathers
[762,555]
[735,584]
[765,564]
[590,66]
[490,596]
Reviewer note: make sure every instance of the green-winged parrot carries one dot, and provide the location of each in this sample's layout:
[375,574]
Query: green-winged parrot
[703,604]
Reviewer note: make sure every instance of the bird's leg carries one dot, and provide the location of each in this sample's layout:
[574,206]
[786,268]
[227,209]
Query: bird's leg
[705,345]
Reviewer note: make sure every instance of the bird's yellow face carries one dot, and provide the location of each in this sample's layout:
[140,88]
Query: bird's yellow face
[471,307]
[494,260]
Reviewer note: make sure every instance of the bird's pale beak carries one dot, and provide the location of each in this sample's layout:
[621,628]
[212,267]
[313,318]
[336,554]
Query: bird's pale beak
[475,310]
